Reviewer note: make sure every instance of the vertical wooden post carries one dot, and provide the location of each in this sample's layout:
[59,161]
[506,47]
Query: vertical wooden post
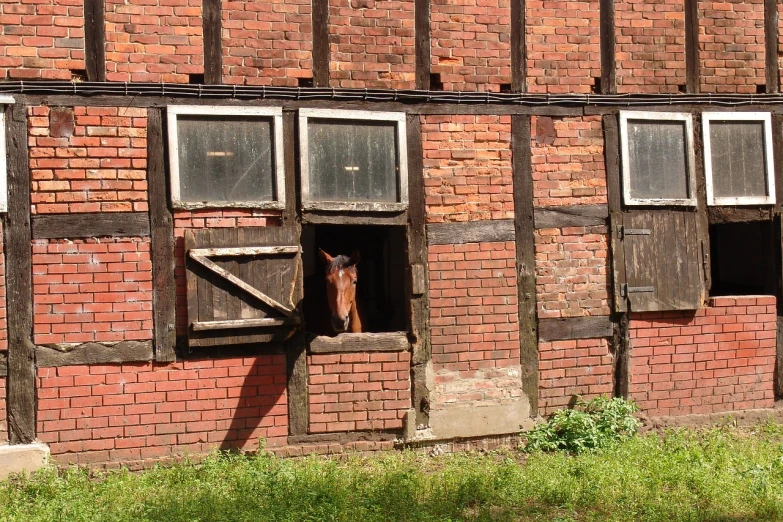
[421,12]
[164,292]
[518,48]
[295,347]
[417,262]
[692,46]
[608,72]
[21,404]
[621,341]
[524,233]
[213,43]
[771,45]
[777,141]
[321,43]
[95,40]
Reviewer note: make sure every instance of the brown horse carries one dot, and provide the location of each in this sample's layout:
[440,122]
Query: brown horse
[341,279]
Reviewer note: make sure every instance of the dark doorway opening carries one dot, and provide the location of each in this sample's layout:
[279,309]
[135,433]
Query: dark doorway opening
[743,259]
[381,282]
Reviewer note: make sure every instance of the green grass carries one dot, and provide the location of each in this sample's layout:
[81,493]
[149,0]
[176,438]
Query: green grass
[722,474]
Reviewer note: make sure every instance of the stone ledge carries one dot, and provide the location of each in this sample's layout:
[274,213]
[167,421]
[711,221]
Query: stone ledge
[22,458]
[695,420]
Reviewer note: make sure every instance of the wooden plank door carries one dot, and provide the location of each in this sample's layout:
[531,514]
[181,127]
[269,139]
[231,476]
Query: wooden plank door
[243,285]
[657,261]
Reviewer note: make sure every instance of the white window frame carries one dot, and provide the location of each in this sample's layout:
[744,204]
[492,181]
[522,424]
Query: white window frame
[402,157]
[276,113]
[4,100]
[766,118]
[690,157]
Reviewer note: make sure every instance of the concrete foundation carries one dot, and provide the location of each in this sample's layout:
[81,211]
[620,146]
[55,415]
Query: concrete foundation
[22,458]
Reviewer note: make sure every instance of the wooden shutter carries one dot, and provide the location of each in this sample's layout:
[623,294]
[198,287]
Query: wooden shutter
[657,261]
[243,285]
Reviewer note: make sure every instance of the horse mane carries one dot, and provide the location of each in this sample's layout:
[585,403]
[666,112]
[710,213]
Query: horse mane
[338,263]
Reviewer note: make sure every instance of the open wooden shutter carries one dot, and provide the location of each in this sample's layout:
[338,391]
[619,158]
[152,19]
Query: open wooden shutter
[657,261]
[243,285]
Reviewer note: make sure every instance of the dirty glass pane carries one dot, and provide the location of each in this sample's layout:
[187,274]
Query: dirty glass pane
[352,161]
[738,159]
[225,158]
[658,161]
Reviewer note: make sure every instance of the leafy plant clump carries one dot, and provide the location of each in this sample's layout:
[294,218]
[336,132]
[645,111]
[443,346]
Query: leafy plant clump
[597,424]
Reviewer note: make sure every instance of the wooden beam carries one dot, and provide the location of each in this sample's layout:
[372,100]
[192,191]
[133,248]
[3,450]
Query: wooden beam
[719,215]
[245,323]
[417,306]
[621,334]
[569,328]
[612,162]
[363,342]
[297,385]
[245,251]
[91,224]
[93,353]
[421,13]
[571,216]
[608,66]
[470,232]
[291,161]
[19,275]
[354,218]
[95,40]
[518,47]
[164,292]
[692,46]
[524,232]
[321,54]
[771,46]
[213,43]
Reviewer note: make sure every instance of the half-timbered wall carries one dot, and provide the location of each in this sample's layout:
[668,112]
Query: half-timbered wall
[513,284]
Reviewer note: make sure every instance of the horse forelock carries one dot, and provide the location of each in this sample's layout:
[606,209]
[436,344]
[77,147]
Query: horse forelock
[339,263]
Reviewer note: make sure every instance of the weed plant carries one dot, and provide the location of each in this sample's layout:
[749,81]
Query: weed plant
[716,475]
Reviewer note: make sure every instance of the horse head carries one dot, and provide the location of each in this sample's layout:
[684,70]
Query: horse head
[341,278]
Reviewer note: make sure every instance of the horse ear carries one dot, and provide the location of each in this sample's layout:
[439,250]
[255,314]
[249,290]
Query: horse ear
[355,258]
[326,258]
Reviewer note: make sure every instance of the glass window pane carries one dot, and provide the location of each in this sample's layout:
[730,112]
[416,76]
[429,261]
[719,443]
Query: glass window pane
[225,158]
[658,161]
[738,159]
[352,161]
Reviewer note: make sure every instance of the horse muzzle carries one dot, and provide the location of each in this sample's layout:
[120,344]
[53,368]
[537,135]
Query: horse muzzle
[339,325]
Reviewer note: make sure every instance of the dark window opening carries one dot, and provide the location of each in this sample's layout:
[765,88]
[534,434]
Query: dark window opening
[304,82]
[761,89]
[596,87]
[682,88]
[435,82]
[381,275]
[78,75]
[196,79]
[743,260]
[505,88]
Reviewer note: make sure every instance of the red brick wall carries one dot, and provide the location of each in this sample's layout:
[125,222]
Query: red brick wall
[372,44]
[568,161]
[719,358]
[101,413]
[563,46]
[572,264]
[267,43]
[731,46]
[3,413]
[208,218]
[359,391]
[153,41]
[467,168]
[567,368]
[471,44]
[92,290]
[474,325]
[41,40]
[98,164]
[650,46]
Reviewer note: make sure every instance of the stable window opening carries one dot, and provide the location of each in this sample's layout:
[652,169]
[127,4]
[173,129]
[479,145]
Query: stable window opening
[380,285]
[738,161]
[657,158]
[353,160]
[743,259]
[226,157]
